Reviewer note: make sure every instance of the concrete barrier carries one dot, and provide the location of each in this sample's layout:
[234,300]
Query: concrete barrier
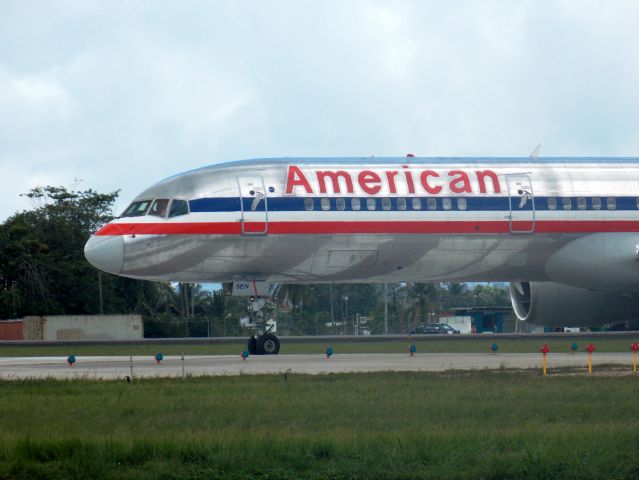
[83,327]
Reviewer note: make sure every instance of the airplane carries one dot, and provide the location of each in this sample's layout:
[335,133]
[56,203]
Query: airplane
[563,231]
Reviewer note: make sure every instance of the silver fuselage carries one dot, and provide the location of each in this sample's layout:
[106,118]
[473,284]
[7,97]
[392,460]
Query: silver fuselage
[297,220]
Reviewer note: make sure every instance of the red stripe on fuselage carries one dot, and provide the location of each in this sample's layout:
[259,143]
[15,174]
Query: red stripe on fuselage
[370,227]
[192,228]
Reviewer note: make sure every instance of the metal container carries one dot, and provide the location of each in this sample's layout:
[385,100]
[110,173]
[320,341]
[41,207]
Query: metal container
[11,330]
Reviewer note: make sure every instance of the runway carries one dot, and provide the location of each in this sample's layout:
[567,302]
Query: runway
[114,367]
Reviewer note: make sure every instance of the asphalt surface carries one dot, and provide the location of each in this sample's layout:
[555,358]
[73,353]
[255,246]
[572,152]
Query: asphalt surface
[114,367]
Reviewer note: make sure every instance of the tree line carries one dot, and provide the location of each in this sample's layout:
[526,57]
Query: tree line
[43,272]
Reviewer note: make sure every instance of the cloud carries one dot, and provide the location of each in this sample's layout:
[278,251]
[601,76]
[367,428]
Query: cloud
[30,102]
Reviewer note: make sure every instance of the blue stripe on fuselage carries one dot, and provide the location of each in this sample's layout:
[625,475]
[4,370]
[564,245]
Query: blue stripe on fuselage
[296,204]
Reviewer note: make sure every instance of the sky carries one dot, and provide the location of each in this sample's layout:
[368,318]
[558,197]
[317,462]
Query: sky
[117,95]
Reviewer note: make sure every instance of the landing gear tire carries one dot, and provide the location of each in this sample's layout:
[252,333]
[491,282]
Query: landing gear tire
[251,346]
[268,344]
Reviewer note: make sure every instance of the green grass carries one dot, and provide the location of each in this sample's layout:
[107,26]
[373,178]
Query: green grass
[424,344]
[399,425]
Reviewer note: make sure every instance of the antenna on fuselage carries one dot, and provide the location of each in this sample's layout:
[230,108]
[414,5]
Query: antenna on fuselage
[535,153]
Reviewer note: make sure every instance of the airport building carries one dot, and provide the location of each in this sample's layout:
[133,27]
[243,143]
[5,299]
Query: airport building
[478,319]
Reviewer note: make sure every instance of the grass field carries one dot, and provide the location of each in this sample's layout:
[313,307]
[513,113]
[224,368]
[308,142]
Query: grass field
[400,425]
[424,344]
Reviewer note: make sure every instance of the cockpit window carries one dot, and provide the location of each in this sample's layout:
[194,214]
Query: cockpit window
[158,209]
[137,209]
[179,207]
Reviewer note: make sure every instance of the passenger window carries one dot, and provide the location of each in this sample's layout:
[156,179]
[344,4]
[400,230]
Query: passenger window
[566,203]
[401,203]
[158,209]
[178,207]
[325,203]
[611,203]
[552,203]
[355,204]
[340,203]
[371,204]
[596,203]
[386,203]
[431,203]
[637,201]
[417,203]
[581,203]
[137,209]
[461,203]
[309,204]
[446,203]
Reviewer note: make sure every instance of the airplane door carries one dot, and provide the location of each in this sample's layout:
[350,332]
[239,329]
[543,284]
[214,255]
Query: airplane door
[521,202]
[253,205]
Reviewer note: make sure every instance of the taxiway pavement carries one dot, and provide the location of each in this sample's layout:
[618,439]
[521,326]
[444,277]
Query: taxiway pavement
[113,367]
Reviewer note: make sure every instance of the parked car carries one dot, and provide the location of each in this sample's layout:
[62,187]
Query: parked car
[434,328]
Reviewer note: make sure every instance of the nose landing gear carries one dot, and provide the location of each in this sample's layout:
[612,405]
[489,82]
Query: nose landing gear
[268,344]
[264,342]
[259,294]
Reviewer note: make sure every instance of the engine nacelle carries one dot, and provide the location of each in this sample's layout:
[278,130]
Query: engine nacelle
[554,304]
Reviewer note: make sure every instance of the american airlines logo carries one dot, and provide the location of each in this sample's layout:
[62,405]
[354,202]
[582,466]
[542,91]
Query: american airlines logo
[402,181]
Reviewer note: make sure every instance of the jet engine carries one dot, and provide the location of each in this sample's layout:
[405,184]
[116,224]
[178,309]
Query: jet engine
[555,304]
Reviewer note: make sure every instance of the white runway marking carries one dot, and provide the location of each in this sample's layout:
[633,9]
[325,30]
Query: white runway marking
[197,365]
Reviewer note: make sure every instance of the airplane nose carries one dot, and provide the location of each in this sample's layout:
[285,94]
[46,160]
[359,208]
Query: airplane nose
[105,252]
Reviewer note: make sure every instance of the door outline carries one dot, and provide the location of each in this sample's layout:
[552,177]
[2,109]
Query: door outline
[520,192]
[257,193]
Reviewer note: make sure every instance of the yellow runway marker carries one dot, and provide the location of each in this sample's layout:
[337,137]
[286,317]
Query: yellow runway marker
[544,350]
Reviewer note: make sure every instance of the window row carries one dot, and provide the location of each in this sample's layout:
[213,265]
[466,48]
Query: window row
[596,203]
[340,203]
[446,203]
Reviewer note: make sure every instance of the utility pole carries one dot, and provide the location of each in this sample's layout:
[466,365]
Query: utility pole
[193,300]
[330,289]
[386,309]
[100,291]
[13,297]
[185,302]
[346,315]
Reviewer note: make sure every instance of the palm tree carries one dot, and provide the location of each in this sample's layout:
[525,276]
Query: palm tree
[419,302]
